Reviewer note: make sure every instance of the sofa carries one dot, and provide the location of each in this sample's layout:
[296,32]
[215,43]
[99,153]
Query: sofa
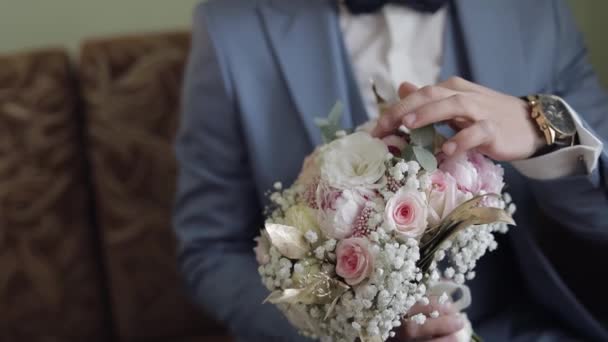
[87,177]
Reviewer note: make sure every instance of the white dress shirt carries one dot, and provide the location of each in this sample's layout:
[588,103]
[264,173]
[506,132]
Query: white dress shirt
[397,44]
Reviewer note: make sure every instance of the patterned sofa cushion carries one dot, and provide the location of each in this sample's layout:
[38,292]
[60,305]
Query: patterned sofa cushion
[49,284]
[131,89]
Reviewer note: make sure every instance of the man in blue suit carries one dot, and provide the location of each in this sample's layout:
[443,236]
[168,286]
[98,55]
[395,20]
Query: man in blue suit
[260,71]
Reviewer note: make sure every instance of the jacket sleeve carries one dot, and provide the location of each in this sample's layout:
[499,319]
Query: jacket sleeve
[217,212]
[579,202]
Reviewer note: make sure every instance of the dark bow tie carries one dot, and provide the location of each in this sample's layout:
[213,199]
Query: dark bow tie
[370,6]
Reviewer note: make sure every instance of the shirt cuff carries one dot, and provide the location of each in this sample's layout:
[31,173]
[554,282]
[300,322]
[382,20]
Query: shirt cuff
[567,161]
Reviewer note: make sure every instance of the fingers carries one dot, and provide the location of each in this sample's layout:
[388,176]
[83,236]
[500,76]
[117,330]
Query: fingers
[393,117]
[442,326]
[456,106]
[476,135]
[449,338]
[406,89]
[462,85]
[443,309]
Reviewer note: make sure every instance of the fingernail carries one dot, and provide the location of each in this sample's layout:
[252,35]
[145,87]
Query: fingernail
[458,322]
[409,120]
[449,148]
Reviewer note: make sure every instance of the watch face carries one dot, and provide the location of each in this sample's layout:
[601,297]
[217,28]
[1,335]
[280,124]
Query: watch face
[558,115]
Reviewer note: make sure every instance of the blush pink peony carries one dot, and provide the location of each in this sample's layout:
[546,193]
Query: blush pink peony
[338,210]
[474,172]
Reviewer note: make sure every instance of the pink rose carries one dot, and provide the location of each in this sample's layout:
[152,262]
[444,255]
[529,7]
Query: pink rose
[395,144]
[354,260]
[444,196]
[406,212]
[339,209]
[490,174]
[262,248]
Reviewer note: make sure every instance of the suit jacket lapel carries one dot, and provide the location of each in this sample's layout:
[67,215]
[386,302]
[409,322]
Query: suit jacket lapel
[484,47]
[314,72]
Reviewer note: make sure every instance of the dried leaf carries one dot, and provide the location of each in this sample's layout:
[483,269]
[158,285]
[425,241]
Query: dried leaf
[365,338]
[289,241]
[290,296]
[481,215]
[467,214]
[321,289]
[300,319]
[462,212]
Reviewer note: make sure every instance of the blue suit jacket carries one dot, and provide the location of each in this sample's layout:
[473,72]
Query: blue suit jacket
[260,71]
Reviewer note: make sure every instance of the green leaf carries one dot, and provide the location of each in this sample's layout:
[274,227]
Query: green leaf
[425,158]
[328,133]
[330,125]
[336,113]
[408,153]
[423,136]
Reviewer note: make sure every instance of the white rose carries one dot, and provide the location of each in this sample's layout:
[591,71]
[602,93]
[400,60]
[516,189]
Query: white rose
[356,160]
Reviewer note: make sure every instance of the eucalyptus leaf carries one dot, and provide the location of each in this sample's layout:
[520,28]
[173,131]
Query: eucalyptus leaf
[423,136]
[330,125]
[408,153]
[321,122]
[336,113]
[328,132]
[425,158]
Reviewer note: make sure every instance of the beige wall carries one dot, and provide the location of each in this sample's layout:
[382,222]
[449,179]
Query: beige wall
[33,23]
[591,15]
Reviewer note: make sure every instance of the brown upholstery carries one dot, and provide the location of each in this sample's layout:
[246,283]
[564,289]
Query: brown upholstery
[131,91]
[49,285]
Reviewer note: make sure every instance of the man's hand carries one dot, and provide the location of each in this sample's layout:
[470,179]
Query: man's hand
[496,124]
[440,329]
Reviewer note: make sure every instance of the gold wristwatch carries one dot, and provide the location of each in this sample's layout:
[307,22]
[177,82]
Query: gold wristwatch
[554,119]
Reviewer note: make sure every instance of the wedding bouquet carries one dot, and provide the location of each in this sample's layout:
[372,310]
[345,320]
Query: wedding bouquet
[371,227]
